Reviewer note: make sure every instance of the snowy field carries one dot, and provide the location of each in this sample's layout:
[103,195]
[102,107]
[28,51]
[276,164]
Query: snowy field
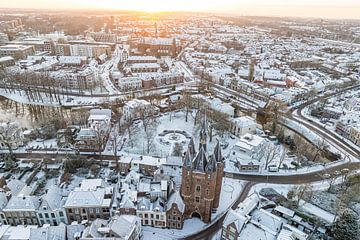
[174,121]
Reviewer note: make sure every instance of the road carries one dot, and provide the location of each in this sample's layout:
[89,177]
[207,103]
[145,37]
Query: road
[329,137]
[48,154]
[96,98]
[301,178]
[298,116]
[244,99]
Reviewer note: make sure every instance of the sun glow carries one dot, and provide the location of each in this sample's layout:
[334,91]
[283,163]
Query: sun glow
[298,8]
[145,5]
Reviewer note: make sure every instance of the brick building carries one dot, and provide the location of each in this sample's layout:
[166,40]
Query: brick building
[175,211]
[158,46]
[201,179]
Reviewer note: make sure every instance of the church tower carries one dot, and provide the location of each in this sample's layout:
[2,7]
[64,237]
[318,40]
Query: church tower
[201,178]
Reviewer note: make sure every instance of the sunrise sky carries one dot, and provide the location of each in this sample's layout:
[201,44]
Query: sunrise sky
[301,8]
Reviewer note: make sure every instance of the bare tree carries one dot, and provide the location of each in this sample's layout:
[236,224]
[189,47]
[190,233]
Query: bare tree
[9,133]
[320,147]
[348,191]
[150,133]
[187,102]
[117,137]
[79,117]
[198,106]
[101,137]
[269,152]
[177,150]
[273,112]
[131,130]
[6,136]
[299,150]
[218,121]
[300,192]
[148,117]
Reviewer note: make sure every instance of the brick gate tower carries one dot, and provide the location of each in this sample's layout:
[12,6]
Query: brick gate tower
[201,178]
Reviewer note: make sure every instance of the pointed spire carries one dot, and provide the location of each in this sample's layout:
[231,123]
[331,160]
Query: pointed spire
[191,147]
[200,161]
[188,159]
[203,134]
[217,152]
[211,165]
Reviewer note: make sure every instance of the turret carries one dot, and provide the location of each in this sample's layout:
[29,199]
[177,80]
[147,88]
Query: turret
[200,161]
[188,159]
[203,135]
[217,153]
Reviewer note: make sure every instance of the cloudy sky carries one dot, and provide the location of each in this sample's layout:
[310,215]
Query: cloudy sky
[302,8]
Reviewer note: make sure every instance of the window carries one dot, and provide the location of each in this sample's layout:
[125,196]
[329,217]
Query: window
[83,210]
[61,214]
[97,210]
[197,199]
[46,215]
[198,188]
[207,191]
[53,215]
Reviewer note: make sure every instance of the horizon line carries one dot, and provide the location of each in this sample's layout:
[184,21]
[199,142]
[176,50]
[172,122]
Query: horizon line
[104,9]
